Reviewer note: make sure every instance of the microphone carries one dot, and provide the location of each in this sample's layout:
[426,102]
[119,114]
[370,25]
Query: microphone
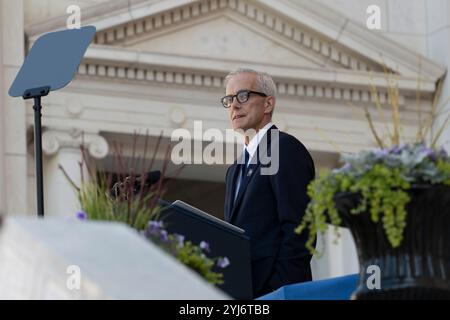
[151,178]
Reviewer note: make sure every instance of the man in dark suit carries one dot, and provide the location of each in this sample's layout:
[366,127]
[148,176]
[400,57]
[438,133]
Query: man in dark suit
[267,198]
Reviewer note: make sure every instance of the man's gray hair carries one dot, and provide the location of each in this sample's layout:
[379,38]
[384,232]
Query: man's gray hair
[265,83]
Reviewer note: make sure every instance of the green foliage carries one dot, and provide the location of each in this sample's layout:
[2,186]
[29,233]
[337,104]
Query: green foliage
[128,199]
[98,204]
[96,200]
[382,178]
[192,256]
[444,167]
[187,253]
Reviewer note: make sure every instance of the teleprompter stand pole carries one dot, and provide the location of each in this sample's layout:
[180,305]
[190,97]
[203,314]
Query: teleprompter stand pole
[36,94]
[51,64]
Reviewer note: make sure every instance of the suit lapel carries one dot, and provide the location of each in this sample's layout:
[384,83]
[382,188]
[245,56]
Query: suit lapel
[252,168]
[231,189]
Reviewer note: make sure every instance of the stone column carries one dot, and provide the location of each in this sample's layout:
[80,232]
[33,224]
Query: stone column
[62,148]
[338,258]
[13,154]
[2,134]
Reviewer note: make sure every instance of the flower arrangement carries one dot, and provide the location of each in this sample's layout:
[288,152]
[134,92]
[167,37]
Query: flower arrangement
[126,198]
[193,256]
[383,176]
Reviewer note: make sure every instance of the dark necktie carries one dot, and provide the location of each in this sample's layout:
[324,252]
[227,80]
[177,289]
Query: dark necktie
[244,166]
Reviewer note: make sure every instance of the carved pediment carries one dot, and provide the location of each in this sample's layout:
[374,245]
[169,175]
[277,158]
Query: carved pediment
[302,43]
[223,38]
[234,30]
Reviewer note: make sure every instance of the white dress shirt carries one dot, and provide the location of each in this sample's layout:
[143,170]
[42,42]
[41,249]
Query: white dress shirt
[251,148]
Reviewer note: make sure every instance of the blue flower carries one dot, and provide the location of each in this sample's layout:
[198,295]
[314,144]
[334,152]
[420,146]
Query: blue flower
[81,215]
[223,262]
[205,246]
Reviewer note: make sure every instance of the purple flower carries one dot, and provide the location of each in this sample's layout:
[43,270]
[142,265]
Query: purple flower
[223,262]
[431,154]
[81,215]
[428,152]
[179,239]
[395,150]
[205,246]
[154,229]
[164,236]
[398,149]
[381,153]
[153,224]
[423,148]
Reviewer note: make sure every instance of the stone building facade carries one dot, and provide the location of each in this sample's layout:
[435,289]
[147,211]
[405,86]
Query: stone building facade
[156,66]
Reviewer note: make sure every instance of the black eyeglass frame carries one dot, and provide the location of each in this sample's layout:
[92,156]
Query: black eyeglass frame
[262,94]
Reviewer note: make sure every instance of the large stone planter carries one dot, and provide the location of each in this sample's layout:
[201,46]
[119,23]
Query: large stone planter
[420,267]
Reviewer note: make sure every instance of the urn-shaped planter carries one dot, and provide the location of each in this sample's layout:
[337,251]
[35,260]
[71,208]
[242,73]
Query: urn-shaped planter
[420,267]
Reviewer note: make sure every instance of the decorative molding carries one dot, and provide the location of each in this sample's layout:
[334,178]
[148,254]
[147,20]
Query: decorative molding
[74,108]
[55,140]
[286,87]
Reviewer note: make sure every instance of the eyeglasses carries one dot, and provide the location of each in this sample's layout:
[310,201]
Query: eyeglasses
[242,96]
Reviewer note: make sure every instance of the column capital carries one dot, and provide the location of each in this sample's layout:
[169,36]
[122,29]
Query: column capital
[53,140]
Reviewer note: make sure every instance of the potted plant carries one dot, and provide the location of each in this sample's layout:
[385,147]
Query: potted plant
[124,196]
[395,199]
